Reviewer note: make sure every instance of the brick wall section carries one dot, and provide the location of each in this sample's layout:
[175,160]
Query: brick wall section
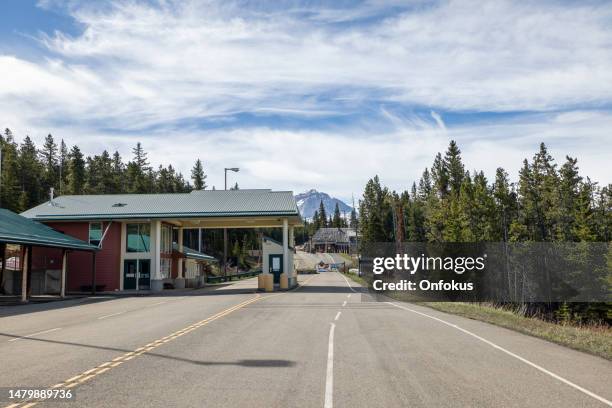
[79,262]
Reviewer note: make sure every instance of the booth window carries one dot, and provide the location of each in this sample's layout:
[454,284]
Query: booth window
[166,239]
[95,233]
[138,237]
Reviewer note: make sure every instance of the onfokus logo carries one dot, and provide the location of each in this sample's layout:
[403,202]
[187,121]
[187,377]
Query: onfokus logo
[411,264]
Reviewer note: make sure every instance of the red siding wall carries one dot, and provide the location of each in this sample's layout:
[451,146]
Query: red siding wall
[79,262]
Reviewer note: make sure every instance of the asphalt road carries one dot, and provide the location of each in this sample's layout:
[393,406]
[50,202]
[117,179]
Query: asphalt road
[317,346]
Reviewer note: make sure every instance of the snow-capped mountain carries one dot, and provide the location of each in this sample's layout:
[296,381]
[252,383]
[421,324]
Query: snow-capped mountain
[309,201]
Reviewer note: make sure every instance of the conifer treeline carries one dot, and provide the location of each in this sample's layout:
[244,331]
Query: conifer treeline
[320,220]
[28,173]
[450,204]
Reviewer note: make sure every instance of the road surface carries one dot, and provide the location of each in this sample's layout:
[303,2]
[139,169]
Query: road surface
[317,346]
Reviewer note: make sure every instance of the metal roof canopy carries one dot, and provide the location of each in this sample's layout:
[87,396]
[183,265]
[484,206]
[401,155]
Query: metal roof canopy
[16,229]
[193,254]
[194,208]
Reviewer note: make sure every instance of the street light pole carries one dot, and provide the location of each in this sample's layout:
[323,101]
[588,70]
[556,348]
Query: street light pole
[235,170]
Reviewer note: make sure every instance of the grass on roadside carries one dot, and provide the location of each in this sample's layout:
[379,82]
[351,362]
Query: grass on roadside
[357,279]
[592,339]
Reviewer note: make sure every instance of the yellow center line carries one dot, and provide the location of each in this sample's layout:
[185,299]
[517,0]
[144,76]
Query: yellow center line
[108,365]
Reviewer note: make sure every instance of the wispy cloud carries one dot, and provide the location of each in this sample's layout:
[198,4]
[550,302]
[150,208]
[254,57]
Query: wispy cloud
[149,70]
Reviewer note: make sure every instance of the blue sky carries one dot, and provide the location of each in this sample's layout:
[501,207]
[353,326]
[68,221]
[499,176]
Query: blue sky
[293,92]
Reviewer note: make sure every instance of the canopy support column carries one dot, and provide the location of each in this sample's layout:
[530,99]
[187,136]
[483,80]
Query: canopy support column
[179,282]
[63,275]
[157,283]
[286,246]
[180,248]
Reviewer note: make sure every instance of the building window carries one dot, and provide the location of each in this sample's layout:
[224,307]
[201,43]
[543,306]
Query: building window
[166,239]
[95,233]
[165,266]
[138,237]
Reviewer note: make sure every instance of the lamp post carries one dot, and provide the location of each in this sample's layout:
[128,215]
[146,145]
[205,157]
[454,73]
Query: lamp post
[235,170]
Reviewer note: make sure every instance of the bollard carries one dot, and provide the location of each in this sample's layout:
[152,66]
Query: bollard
[261,285]
[269,282]
[284,281]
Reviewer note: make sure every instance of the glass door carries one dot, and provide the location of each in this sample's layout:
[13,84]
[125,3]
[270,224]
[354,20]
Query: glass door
[144,274]
[130,271]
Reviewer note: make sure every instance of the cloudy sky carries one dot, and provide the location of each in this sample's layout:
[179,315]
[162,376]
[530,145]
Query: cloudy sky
[313,94]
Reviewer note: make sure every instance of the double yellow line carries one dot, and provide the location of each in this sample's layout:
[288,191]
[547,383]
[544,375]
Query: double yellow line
[106,366]
[109,365]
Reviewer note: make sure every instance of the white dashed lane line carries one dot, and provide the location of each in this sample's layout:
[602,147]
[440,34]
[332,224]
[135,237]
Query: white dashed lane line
[329,378]
[35,334]
[110,315]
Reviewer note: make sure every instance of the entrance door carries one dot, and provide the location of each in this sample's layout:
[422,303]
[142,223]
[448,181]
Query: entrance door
[136,271]
[276,266]
[144,274]
[130,271]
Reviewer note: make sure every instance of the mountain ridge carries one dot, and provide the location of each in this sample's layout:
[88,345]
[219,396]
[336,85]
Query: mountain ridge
[308,202]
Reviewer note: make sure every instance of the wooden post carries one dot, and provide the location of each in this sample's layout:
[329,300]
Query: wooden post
[24,274]
[29,270]
[63,275]
[93,273]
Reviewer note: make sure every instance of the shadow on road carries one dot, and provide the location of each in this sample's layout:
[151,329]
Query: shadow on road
[272,363]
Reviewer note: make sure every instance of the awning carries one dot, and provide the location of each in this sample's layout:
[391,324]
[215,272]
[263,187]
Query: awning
[193,254]
[15,229]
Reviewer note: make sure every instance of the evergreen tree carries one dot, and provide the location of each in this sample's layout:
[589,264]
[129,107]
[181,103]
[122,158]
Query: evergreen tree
[138,172]
[316,221]
[30,170]
[569,204]
[117,183]
[439,176]
[505,205]
[198,176]
[322,216]
[337,220]
[48,155]
[453,167]
[425,188]
[375,213]
[354,223]
[10,181]
[62,161]
[76,171]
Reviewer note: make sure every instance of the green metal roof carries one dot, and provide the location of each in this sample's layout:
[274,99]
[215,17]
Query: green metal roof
[197,204]
[193,254]
[16,229]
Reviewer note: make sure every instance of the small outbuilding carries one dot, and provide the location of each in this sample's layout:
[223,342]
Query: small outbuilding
[339,240]
[19,238]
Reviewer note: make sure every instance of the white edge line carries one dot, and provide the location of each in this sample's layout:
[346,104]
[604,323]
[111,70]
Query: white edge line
[110,315]
[347,282]
[329,377]
[524,360]
[35,334]
[337,316]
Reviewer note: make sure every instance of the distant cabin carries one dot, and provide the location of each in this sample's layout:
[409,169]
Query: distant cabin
[337,240]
